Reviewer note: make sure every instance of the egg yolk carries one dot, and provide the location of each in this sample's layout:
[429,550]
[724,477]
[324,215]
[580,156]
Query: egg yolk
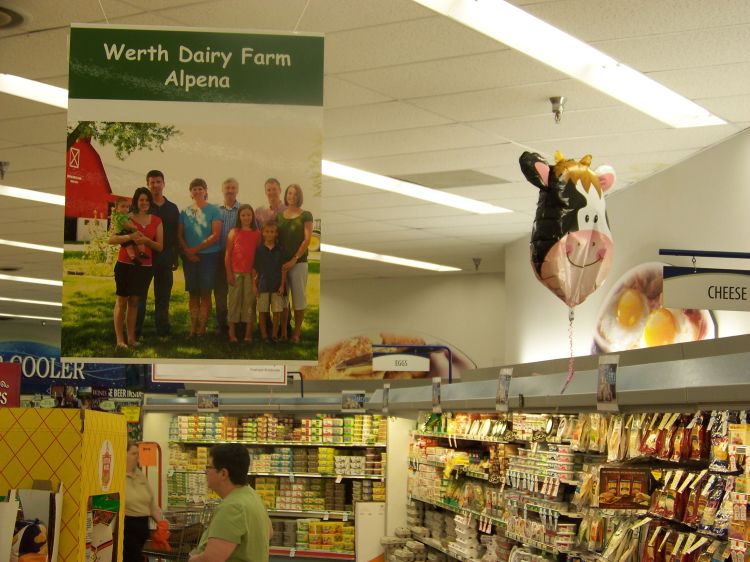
[629,308]
[660,329]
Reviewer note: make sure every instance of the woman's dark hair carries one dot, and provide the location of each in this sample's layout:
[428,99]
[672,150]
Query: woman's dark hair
[138,192]
[234,458]
[298,189]
[242,208]
[198,182]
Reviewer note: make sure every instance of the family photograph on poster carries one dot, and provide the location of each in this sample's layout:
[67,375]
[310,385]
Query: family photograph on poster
[192,226]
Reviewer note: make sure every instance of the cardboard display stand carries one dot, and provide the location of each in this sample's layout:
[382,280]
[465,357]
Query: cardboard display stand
[83,452]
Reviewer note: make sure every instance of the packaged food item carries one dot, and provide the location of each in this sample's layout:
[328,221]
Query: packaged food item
[719,427]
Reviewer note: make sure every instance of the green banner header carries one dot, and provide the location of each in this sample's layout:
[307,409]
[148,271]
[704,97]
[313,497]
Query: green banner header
[120,63]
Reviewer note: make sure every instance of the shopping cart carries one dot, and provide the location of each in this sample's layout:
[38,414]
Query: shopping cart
[185,529]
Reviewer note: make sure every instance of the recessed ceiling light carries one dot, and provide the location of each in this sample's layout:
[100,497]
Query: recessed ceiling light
[7,315]
[34,90]
[29,301]
[34,280]
[31,195]
[355,175]
[30,246]
[330,248]
[536,38]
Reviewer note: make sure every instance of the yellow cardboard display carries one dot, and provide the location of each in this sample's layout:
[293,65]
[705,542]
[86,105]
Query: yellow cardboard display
[68,446]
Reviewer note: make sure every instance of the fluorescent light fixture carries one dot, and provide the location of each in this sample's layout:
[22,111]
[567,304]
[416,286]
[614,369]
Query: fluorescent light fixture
[31,317]
[35,280]
[33,90]
[523,32]
[31,195]
[30,246]
[330,248]
[347,173]
[29,301]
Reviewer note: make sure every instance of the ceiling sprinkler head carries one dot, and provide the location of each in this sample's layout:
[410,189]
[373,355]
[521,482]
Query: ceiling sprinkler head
[558,105]
[476,261]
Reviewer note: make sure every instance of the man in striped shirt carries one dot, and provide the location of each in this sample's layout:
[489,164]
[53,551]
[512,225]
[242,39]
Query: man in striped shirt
[229,208]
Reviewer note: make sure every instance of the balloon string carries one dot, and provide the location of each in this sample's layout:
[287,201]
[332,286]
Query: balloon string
[569,378]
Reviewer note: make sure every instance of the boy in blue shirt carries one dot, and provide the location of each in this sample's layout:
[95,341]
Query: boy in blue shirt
[269,283]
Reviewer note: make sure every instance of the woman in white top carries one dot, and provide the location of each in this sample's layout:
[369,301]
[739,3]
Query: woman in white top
[140,504]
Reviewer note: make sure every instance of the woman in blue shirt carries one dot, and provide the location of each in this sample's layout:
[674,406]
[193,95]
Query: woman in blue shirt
[199,232]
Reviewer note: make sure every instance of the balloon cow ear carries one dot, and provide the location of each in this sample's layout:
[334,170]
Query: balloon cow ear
[535,169]
[606,176]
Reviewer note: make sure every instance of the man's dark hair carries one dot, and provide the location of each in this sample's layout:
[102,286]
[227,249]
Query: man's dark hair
[155,174]
[234,458]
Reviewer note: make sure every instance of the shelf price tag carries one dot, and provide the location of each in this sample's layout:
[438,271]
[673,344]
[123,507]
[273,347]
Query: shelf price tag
[436,406]
[503,389]
[291,478]
[346,516]
[292,552]
[606,389]
[325,516]
[338,479]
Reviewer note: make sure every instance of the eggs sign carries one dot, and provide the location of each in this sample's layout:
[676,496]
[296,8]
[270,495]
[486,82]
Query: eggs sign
[571,245]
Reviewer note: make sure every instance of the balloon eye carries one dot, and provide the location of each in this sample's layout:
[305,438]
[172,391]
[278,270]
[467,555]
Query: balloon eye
[587,218]
[596,218]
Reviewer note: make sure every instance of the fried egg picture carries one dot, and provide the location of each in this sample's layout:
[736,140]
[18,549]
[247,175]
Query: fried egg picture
[623,325]
[632,316]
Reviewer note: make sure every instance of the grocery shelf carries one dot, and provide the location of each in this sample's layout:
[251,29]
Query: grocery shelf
[432,543]
[306,553]
[537,508]
[276,443]
[480,475]
[642,384]
[322,513]
[295,474]
[534,544]
[455,509]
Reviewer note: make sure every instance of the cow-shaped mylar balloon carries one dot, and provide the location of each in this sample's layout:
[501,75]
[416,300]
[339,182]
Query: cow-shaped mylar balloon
[571,245]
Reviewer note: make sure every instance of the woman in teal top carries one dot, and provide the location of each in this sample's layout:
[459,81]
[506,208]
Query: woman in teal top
[198,233]
[295,230]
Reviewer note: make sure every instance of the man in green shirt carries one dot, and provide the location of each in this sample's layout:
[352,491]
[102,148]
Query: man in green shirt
[240,529]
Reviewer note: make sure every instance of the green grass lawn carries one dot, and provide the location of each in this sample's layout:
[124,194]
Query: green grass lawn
[87,329]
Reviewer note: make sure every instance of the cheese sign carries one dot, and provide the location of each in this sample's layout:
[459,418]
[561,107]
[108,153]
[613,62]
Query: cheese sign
[711,289]
[400,362]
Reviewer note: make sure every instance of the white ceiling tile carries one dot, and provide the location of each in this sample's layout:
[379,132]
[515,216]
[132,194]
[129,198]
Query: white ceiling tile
[500,68]
[694,49]
[592,20]
[35,55]
[361,227]
[582,123]
[50,179]
[402,43]
[377,117]
[516,101]
[43,18]
[16,107]
[338,92]
[35,130]
[350,238]
[714,82]
[337,15]
[404,141]
[455,159]
[29,158]
[239,14]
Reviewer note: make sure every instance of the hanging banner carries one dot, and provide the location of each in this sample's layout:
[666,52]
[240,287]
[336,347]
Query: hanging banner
[184,145]
[10,385]
[712,289]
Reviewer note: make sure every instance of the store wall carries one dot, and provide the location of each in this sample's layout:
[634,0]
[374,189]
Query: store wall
[699,204]
[467,311]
